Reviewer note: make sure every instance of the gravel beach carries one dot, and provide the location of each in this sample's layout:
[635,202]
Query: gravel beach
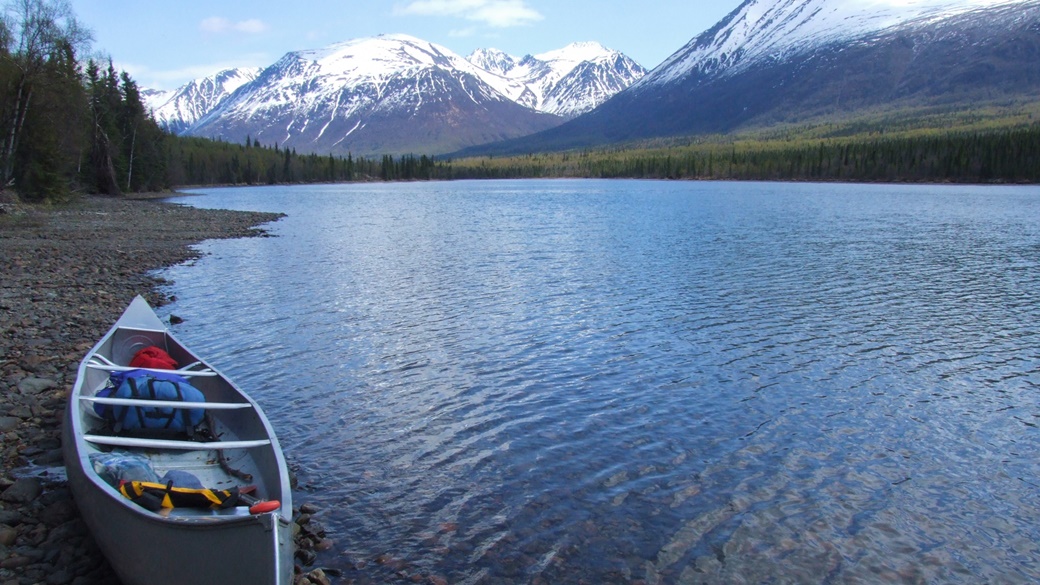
[66,274]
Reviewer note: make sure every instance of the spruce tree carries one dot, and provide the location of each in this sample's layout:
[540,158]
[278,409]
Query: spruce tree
[45,162]
[101,177]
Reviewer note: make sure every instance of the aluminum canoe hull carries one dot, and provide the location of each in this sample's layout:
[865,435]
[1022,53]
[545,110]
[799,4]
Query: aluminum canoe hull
[148,548]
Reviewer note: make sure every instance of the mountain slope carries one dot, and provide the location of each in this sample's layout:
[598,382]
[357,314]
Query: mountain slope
[395,94]
[773,31]
[784,61]
[177,111]
[389,94]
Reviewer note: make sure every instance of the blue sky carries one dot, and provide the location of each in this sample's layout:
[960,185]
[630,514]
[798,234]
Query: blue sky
[165,44]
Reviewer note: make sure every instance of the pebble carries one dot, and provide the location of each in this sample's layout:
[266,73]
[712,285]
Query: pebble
[35,385]
[15,561]
[11,517]
[59,512]
[318,577]
[7,535]
[68,272]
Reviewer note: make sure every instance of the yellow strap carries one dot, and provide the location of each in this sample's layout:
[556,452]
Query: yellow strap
[138,487]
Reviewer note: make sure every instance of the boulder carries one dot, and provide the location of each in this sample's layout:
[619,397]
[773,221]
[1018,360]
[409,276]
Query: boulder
[23,491]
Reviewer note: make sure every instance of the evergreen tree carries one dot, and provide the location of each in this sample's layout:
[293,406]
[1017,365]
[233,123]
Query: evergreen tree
[104,100]
[46,161]
[143,142]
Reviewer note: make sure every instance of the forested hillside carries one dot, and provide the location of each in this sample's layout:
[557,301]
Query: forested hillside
[984,155]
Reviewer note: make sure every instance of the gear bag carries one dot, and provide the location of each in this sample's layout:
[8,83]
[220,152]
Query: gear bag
[143,385]
[155,496]
[153,357]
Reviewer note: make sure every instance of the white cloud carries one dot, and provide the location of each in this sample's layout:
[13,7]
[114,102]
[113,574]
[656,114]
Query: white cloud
[496,13]
[219,25]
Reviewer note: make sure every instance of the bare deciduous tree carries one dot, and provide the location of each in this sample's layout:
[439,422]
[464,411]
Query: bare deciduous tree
[32,31]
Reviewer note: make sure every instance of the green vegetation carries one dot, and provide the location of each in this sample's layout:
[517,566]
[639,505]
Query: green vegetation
[41,138]
[973,147]
[199,161]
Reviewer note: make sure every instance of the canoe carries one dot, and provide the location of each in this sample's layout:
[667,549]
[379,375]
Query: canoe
[181,544]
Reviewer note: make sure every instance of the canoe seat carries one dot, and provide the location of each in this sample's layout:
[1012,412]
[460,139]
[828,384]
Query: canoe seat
[166,403]
[173,444]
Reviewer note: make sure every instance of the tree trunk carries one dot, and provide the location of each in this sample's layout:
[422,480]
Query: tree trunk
[105,169]
[17,120]
[130,173]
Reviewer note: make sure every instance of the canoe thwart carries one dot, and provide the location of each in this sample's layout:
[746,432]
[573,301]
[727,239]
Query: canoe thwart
[173,444]
[166,403]
[181,372]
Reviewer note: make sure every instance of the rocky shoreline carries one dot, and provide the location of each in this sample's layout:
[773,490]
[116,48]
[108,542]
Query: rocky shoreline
[66,274]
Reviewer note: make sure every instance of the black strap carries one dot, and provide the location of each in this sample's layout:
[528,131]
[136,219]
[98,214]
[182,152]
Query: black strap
[156,413]
[123,411]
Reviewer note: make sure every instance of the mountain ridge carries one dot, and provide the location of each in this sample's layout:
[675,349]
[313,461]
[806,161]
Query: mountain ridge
[775,30]
[956,53]
[374,93]
[567,82]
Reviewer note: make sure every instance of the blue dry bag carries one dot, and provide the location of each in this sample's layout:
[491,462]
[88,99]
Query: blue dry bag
[144,385]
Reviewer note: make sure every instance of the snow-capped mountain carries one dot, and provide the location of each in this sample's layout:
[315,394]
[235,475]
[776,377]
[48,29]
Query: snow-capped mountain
[387,94]
[773,31]
[566,82]
[178,110]
[788,61]
[383,93]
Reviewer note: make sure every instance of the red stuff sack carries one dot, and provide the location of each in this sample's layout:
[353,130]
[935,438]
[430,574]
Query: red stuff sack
[154,358]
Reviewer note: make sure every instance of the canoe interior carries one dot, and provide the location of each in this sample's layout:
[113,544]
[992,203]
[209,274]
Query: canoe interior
[228,425]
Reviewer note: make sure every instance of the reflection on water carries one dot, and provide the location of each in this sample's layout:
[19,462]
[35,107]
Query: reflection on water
[588,381]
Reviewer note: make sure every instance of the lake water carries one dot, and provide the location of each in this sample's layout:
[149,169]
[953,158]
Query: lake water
[667,382]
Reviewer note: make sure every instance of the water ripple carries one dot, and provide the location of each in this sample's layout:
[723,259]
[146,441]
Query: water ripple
[566,381]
